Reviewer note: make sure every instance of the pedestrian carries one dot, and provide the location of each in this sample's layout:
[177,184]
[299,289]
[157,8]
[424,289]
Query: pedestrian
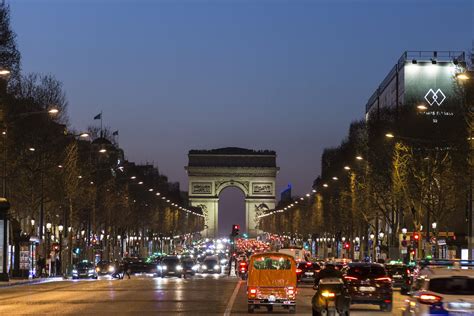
[126,269]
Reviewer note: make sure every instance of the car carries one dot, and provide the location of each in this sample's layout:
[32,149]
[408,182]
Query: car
[189,265]
[170,266]
[306,271]
[441,291]
[211,265]
[84,270]
[139,265]
[369,283]
[401,277]
[105,267]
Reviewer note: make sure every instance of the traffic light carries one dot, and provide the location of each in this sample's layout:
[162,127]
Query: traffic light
[235,230]
[416,237]
[347,245]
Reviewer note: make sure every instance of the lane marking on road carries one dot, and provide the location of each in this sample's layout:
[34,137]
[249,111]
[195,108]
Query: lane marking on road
[228,309]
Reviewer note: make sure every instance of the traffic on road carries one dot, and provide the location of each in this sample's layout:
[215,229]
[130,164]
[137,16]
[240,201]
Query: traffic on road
[252,276]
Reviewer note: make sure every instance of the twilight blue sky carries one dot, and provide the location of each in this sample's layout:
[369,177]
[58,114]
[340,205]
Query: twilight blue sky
[265,74]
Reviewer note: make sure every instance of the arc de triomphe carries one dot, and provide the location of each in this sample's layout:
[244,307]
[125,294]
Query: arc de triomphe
[211,171]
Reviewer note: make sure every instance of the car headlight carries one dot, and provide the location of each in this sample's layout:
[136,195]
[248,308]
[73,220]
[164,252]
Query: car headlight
[223,261]
[159,267]
[74,271]
[91,270]
[196,267]
[164,267]
[204,267]
[179,267]
[97,269]
[111,269]
[216,267]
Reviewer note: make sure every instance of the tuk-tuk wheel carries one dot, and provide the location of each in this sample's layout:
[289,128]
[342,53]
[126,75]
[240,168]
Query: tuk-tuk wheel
[292,309]
[251,308]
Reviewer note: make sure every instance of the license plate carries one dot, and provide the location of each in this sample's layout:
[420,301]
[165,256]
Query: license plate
[210,270]
[308,273]
[272,298]
[286,302]
[367,289]
[397,276]
[171,272]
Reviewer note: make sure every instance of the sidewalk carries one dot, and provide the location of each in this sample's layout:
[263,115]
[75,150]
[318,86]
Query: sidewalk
[14,282]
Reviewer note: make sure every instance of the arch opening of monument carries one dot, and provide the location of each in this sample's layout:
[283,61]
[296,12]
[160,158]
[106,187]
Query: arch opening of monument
[211,171]
[231,210]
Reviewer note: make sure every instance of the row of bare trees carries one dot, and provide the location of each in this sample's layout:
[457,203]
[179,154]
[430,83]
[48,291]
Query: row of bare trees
[51,174]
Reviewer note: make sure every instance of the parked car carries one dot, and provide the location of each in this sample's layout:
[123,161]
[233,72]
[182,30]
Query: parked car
[369,283]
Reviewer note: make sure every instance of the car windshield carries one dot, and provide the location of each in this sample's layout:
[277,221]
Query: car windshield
[171,260]
[366,271]
[84,265]
[210,261]
[272,263]
[396,270]
[452,286]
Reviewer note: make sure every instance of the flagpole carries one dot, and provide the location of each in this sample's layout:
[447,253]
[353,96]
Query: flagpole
[101,131]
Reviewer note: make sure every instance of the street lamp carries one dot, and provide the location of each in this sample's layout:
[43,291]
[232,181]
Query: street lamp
[60,229]
[434,225]
[389,135]
[359,158]
[404,231]
[422,107]
[53,111]
[462,76]
[4,72]
[347,168]
[372,236]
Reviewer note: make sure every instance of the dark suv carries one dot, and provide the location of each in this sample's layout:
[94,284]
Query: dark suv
[369,283]
[401,277]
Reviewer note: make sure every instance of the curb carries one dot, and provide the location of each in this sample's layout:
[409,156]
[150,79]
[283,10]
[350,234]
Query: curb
[25,282]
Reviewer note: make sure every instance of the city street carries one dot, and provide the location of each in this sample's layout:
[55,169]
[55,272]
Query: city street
[199,295]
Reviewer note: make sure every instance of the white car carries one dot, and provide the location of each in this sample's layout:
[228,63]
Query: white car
[442,291]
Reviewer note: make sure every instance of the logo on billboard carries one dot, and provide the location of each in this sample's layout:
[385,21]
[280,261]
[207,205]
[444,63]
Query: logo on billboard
[435,97]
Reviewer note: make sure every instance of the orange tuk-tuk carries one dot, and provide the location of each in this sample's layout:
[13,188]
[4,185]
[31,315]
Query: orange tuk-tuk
[271,281]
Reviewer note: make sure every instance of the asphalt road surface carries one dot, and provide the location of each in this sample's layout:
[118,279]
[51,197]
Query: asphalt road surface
[141,295]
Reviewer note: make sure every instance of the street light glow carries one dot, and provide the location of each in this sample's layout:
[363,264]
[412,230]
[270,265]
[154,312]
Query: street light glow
[359,157]
[31,149]
[462,76]
[60,228]
[422,107]
[133,177]
[53,111]
[335,178]
[4,72]
[48,225]
[404,231]
[434,225]
[84,135]
[103,150]
[325,185]
[389,135]
[141,182]
[347,168]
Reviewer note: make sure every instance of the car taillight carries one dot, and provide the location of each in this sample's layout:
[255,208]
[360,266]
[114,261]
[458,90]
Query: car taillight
[299,270]
[384,279]
[349,278]
[309,264]
[253,292]
[328,294]
[408,272]
[290,291]
[429,299]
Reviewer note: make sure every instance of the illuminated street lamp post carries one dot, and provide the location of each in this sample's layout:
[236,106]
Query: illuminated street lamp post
[60,229]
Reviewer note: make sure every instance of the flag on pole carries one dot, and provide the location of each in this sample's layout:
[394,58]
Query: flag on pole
[115,133]
[98,116]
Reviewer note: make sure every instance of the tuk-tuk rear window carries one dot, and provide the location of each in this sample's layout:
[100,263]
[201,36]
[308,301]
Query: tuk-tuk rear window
[272,263]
